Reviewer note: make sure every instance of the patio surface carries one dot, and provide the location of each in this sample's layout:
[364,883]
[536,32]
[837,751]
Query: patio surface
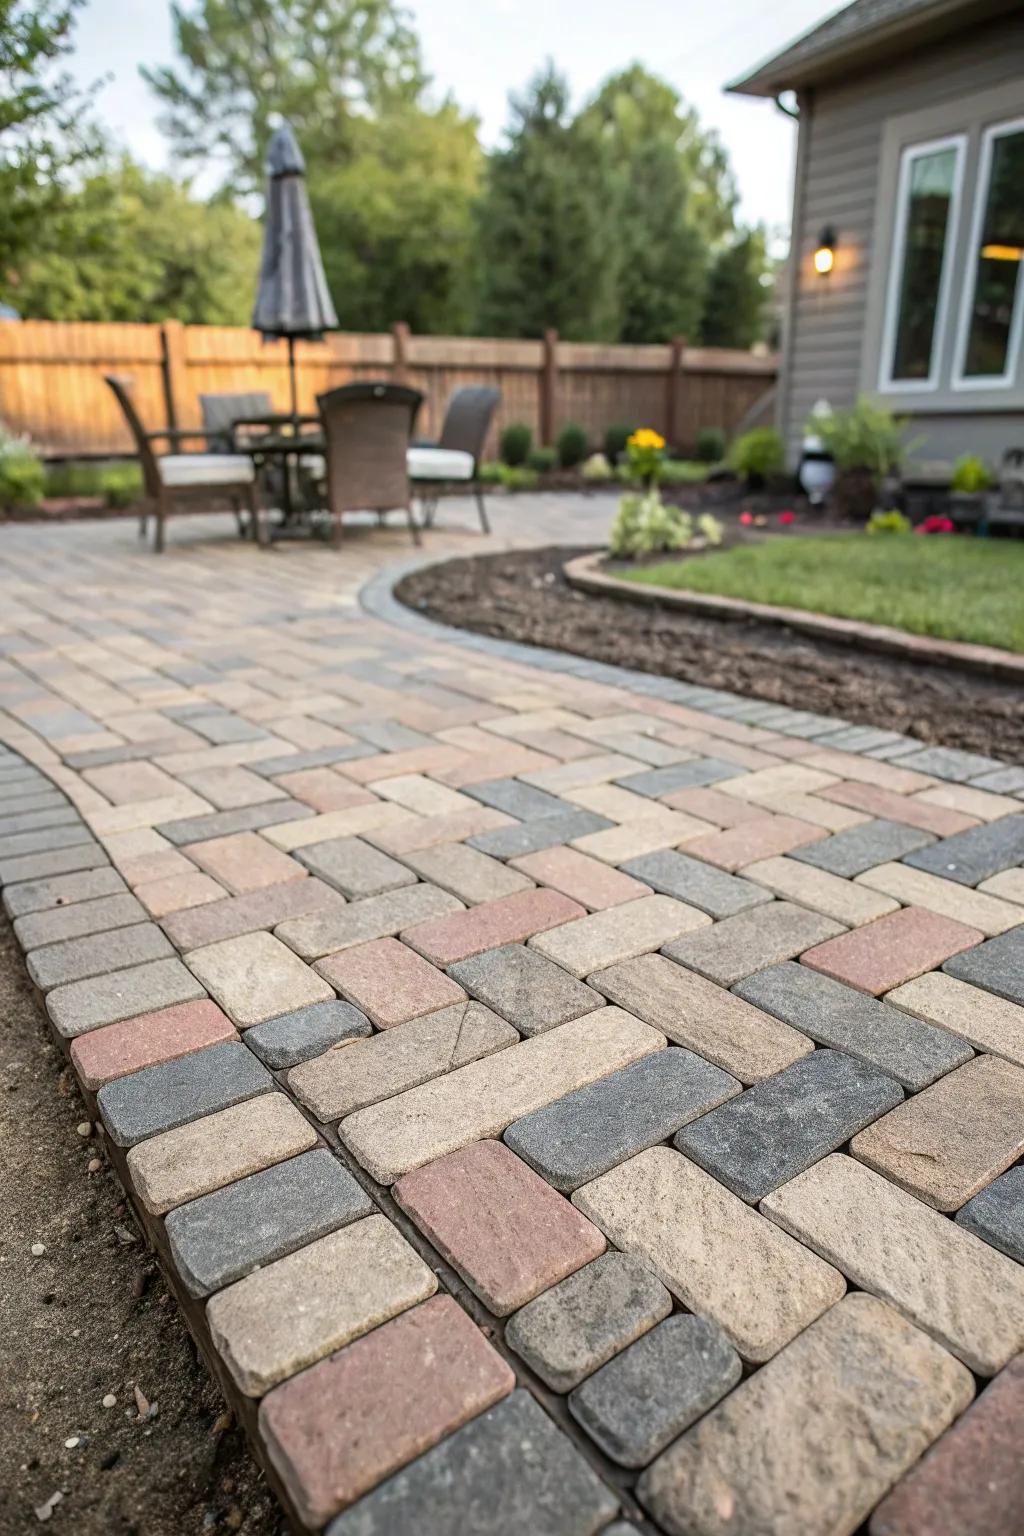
[562,1100]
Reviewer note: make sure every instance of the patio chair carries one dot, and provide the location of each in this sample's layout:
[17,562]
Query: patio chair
[170,479]
[366,433]
[220,414]
[455,458]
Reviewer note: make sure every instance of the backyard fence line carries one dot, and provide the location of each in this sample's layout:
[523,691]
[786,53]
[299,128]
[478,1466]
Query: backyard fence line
[51,379]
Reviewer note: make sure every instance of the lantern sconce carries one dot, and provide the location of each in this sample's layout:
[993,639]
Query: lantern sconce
[825,255]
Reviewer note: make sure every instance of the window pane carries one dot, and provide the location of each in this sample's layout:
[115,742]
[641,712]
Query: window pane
[1001,246]
[930,197]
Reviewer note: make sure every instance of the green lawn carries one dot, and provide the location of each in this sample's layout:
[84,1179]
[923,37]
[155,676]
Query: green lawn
[953,588]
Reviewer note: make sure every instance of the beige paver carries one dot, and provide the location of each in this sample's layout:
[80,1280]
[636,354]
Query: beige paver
[483,1098]
[944,1279]
[1008,885]
[307,1305]
[232,787]
[289,835]
[811,1442]
[989,1022]
[377,917]
[178,894]
[194,1159]
[256,977]
[593,884]
[467,873]
[721,1258]
[712,806]
[400,838]
[841,899]
[390,982]
[245,862]
[816,810]
[762,838]
[948,1142]
[598,769]
[979,803]
[619,933]
[420,794]
[868,770]
[663,829]
[770,783]
[916,888]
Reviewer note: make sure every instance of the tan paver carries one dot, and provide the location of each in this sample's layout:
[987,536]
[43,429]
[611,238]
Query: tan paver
[817,811]
[712,806]
[662,829]
[910,809]
[867,770]
[948,1142]
[891,950]
[389,982]
[376,917]
[753,840]
[235,915]
[483,1098]
[811,1442]
[619,933]
[256,977]
[593,884]
[245,862]
[509,920]
[989,1022]
[944,1279]
[422,795]
[721,1258]
[289,835]
[324,789]
[730,950]
[916,888]
[162,897]
[303,1307]
[1008,885]
[841,899]
[194,1159]
[231,788]
[977,803]
[419,832]
[467,873]
[126,783]
[598,769]
[770,783]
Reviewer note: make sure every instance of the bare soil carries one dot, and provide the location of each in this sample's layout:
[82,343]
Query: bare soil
[523,596]
[90,1317]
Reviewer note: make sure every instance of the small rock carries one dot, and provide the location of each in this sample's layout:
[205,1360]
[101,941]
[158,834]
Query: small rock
[44,1511]
[84,1128]
[71,1442]
[94,1165]
[38,1249]
[142,1403]
[110,1401]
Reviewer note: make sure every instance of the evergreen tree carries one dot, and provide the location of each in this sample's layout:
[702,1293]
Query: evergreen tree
[738,292]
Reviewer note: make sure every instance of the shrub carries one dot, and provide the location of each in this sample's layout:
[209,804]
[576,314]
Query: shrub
[711,445]
[489,472]
[646,526]
[758,454]
[889,522]
[22,476]
[709,528]
[572,445]
[597,468]
[682,472]
[517,477]
[970,475]
[121,484]
[542,460]
[516,442]
[615,439]
[867,436]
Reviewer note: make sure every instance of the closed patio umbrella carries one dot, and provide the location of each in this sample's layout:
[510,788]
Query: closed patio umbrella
[292,298]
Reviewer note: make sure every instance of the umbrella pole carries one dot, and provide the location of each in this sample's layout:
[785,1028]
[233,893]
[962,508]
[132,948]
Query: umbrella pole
[291,374]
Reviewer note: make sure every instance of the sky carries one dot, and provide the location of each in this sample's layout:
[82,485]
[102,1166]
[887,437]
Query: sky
[480,50]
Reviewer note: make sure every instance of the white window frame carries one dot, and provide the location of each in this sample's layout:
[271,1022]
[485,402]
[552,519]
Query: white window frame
[1005,380]
[910,153]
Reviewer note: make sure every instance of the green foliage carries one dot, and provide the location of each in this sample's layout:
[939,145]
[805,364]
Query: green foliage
[120,485]
[646,526]
[867,436]
[889,522]
[572,445]
[711,445]
[512,477]
[970,475]
[758,454]
[516,442]
[542,460]
[709,528]
[737,292]
[682,472]
[21,472]
[597,468]
[615,439]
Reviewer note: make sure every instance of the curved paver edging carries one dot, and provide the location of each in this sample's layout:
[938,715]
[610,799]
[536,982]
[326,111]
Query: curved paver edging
[585,573]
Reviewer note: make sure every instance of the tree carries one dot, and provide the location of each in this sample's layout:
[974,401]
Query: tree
[738,293]
[130,245]
[547,227]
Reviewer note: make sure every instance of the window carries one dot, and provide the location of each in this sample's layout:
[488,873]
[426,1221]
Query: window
[992,306]
[926,218]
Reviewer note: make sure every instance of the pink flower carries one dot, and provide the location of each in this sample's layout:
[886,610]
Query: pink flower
[746,518]
[787,517]
[936,525]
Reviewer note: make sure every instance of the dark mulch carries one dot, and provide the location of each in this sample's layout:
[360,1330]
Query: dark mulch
[523,596]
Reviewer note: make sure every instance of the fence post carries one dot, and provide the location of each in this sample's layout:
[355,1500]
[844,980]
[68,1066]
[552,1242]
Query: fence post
[672,387]
[400,361]
[548,387]
[172,354]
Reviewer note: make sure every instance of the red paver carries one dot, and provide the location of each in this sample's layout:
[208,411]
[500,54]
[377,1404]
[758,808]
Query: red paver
[892,807]
[508,1233]
[509,920]
[971,1482]
[338,1429]
[245,862]
[583,879]
[323,789]
[895,948]
[763,838]
[712,806]
[389,982]
[118,1049]
[229,919]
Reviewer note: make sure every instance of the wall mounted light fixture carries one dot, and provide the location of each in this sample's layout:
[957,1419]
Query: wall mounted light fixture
[825,255]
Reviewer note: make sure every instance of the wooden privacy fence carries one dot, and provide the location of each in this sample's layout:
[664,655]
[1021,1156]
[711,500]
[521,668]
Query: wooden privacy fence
[51,379]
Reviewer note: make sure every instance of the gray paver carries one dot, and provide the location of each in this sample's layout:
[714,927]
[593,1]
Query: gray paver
[54,965]
[997,965]
[689,775]
[222,1236]
[972,856]
[531,836]
[640,1401]
[949,763]
[390,735]
[31,821]
[84,1005]
[298,1036]
[519,800]
[524,987]
[321,757]
[997,1214]
[1002,781]
[582,1135]
[353,867]
[62,890]
[174,1092]
[510,1470]
[44,839]
[567,1332]
[36,800]
[62,861]
[248,818]
[913,1052]
[782,1125]
[78,920]
[856,849]
[700,885]
[731,949]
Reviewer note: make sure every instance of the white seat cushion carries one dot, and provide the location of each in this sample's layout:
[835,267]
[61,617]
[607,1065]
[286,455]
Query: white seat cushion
[314,465]
[439,464]
[181,469]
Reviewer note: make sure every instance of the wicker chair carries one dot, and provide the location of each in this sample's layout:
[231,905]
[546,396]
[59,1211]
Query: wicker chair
[173,479]
[366,432]
[455,458]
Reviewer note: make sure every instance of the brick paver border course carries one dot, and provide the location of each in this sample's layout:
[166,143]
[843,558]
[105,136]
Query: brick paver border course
[514,1061]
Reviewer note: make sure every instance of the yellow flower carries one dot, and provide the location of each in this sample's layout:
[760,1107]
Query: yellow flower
[646,437]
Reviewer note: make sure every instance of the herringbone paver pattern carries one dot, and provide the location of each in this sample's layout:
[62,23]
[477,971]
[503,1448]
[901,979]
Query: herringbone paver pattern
[463,1020]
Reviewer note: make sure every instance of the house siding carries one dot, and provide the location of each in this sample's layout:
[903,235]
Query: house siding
[842,127]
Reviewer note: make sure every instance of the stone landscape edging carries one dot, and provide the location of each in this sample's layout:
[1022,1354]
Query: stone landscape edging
[585,574]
